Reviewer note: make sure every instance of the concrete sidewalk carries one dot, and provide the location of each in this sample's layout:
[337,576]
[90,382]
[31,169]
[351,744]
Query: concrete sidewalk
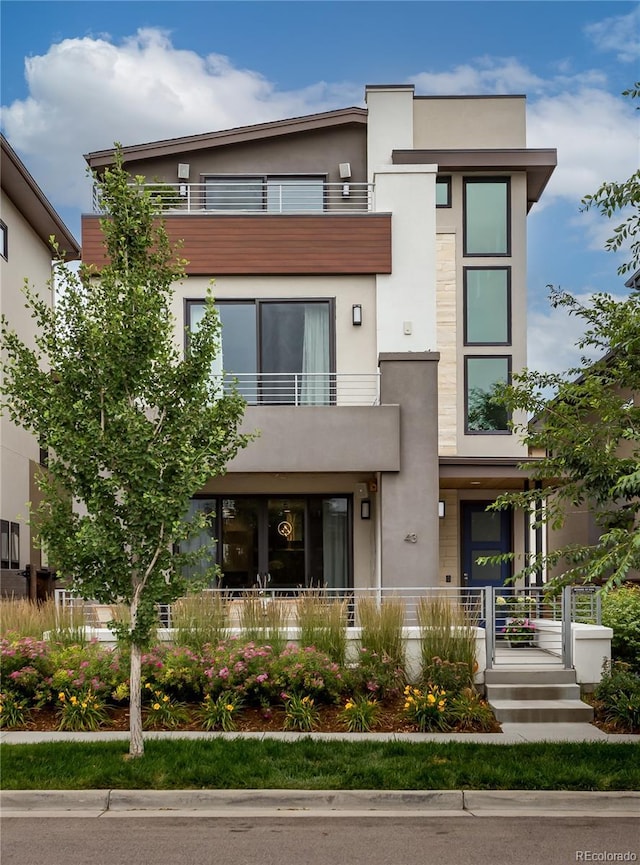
[511,734]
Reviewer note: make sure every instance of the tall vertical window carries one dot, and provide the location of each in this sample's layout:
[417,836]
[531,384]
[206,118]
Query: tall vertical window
[482,376]
[486,216]
[487,306]
[4,240]
[279,351]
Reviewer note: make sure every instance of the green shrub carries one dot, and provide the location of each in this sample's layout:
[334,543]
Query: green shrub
[621,611]
[451,676]
[376,675]
[617,679]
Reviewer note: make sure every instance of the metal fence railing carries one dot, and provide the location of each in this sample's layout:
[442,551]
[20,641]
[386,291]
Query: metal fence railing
[306,388]
[257,196]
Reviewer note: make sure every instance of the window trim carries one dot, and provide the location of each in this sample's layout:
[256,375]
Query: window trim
[465,271]
[506,179]
[467,358]
[4,240]
[444,179]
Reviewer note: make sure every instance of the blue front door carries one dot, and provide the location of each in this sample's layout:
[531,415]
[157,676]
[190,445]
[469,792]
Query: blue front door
[484,533]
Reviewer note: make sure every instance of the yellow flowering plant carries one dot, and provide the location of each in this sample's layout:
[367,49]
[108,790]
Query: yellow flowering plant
[81,711]
[427,708]
[360,714]
[14,711]
[220,713]
[300,712]
[162,711]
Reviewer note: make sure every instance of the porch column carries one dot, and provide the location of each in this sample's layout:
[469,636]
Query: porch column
[408,498]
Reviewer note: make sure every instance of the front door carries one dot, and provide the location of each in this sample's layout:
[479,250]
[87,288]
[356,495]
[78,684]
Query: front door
[484,533]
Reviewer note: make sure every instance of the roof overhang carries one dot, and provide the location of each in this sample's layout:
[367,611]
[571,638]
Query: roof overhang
[477,473]
[239,135]
[538,164]
[30,200]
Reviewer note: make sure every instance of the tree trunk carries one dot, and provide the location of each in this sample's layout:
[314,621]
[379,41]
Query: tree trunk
[136,742]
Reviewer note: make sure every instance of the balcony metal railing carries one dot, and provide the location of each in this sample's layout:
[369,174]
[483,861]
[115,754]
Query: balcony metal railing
[291,197]
[306,389]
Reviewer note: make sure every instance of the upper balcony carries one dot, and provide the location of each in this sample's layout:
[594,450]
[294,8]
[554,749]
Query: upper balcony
[266,226]
[259,196]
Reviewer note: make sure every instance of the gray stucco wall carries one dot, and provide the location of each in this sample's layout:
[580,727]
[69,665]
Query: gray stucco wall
[409,497]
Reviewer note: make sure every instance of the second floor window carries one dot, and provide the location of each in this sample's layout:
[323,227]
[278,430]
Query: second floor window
[280,351]
[486,216]
[273,194]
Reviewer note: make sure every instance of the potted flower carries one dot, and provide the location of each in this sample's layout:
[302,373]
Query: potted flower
[519,632]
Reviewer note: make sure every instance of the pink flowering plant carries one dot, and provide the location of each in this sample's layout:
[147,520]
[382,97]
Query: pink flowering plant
[85,667]
[376,675]
[308,671]
[176,670]
[243,669]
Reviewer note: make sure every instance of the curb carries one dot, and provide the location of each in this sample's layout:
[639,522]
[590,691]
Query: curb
[403,802]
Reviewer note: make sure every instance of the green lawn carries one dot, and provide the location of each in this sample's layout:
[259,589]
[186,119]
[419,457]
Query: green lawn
[318,765]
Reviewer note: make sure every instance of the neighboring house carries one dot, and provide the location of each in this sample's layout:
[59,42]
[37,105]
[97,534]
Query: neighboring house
[27,221]
[370,272]
[581,525]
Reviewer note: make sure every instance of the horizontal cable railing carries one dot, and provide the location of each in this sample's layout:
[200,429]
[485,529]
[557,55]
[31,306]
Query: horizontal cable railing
[305,388]
[293,197]
[418,604]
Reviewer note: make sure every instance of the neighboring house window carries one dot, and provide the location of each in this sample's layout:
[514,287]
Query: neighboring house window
[482,376]
[273,194]
[487,305]
[4,240]
[487,216]
[279,351]
[9,544]
[443,192]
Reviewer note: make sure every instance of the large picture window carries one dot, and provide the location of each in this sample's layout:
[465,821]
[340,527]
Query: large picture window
[486,216]
[279,351]
[274,541]
[272,193]
[487,306]
[482,376]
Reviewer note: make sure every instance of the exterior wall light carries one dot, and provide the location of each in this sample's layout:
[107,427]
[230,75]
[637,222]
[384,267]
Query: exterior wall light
[356,314]
[441,509]
[365,509]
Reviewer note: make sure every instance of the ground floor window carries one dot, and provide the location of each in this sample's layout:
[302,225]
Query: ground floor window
[275,541]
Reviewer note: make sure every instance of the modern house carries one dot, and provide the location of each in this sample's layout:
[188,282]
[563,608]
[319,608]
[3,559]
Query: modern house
[370,273]
[27,221]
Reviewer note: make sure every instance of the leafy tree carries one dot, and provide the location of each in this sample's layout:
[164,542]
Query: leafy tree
[133,428]
[590,428]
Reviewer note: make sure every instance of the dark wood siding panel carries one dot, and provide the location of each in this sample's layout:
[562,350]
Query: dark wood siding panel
[270,244]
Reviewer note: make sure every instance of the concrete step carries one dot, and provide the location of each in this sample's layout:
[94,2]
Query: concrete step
[566,691]
[523,676]
[541,711]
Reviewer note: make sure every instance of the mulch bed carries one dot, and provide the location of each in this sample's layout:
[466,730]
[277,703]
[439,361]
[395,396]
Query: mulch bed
[254,720]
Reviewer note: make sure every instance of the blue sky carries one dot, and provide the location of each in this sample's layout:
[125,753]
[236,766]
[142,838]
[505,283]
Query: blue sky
[75,76]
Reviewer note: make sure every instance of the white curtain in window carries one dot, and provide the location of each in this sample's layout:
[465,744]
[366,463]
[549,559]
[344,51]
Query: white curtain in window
[217,378]
[315,355]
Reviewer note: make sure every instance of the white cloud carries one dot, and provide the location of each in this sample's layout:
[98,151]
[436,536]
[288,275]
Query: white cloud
[86,93]
[595,133]
[620,34]
[483,75]
[552,335]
